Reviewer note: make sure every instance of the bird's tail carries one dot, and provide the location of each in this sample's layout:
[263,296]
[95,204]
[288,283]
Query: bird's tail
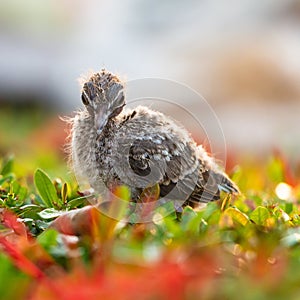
[225,184]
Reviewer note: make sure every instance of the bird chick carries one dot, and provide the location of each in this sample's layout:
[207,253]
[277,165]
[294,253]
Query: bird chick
[111,145]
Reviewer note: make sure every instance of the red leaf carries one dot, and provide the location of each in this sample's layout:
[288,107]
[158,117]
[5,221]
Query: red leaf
[20,260]
[11,221]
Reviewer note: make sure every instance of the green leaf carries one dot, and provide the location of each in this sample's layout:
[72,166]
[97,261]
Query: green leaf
[166,209]
[210,209]
[187,215]
[15,187]
[150,194]
[203,225]
[225,202]
[260,215]
[50,213]
[45,188]
[22,193]
[64,192]
[8,178]
[29,209]
[48,238]
[8,166]
[76,202]
[288,207]
[237,215]
[41,225]
[192,221]
[19,190]
[14,283]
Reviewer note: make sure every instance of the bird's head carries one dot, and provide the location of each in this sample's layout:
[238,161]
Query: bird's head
[103,97]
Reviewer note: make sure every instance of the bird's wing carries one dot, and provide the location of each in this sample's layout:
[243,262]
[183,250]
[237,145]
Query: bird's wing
[146,160]
[151,149]
[174,160]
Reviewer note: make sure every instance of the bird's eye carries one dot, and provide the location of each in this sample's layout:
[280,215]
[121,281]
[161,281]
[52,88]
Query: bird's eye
[84,99]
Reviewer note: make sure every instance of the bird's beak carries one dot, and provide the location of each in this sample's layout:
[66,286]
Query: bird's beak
[101,118]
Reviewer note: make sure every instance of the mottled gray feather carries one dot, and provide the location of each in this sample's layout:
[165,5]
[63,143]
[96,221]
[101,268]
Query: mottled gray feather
[140,148]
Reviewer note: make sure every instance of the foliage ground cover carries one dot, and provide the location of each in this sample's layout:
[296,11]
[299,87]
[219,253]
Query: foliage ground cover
[54,245]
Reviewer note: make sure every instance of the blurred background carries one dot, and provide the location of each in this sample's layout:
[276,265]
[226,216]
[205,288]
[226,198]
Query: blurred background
[242,56]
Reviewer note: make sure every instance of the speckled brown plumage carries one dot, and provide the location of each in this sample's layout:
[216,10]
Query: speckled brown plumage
[141,147]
